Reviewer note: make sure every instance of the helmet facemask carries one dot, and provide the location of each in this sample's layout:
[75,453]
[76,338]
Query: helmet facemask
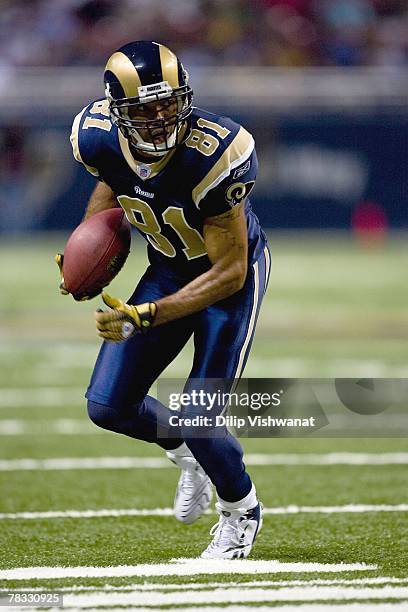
[147,133]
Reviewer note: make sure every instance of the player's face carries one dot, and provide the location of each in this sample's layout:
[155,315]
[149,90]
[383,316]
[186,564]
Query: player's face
[156,111]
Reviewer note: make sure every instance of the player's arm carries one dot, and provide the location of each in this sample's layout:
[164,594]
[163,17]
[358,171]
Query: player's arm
[101,198]
[226,240]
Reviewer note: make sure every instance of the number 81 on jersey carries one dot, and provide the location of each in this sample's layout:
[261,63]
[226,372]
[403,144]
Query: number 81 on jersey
[141,215]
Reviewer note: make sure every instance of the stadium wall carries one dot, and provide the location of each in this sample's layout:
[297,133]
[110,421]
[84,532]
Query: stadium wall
[324,156]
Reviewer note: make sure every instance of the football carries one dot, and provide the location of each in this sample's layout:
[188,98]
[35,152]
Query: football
[95,252]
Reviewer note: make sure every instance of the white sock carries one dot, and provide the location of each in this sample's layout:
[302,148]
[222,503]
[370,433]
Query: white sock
[248,502]
[181,451]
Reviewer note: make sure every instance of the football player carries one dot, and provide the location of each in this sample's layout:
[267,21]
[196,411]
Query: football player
[182,175]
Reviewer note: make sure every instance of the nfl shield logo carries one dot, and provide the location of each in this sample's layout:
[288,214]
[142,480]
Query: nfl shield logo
[143,171]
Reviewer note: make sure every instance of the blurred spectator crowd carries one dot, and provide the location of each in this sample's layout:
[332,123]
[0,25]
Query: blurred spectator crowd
[208,32]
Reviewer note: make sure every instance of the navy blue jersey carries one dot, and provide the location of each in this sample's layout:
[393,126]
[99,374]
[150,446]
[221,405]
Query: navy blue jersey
[169,199]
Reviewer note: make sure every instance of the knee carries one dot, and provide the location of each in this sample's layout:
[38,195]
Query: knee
[102,415]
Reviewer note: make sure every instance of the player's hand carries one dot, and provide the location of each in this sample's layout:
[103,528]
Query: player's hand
[59,259]
[123,320]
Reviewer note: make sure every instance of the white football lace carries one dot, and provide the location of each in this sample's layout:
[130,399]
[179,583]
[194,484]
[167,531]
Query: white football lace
[223,532]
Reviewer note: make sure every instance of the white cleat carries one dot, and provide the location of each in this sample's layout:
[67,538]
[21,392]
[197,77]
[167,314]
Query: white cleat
[234,534]
[194,489]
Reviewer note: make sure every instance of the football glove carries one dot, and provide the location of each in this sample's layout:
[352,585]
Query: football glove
[59,259]
[123,320]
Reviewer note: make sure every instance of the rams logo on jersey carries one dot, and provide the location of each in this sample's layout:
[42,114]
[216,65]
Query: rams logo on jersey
[237,192]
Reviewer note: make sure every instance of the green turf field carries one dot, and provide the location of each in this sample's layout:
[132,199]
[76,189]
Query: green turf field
[333,309]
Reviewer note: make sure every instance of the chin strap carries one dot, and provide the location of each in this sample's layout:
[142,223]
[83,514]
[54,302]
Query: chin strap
[145,156]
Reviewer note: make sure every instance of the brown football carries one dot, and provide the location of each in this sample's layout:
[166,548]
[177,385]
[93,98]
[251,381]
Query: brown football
[95,252]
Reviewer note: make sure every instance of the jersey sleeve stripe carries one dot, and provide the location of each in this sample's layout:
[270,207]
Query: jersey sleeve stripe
[75,143]
[234,155]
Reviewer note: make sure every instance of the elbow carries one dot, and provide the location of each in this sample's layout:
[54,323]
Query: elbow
[240,278]
[236,279]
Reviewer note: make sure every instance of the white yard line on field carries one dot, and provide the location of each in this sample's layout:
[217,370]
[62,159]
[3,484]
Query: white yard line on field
[42,396]
[347,508]
[315,607]
[235,595]
[84,463]
[180,567]
[74,427]
[67,427]
[125,463]
[157,586]
[328,459]
[139,512]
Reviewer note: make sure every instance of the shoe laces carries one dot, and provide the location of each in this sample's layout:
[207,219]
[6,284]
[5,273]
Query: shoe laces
[224,531]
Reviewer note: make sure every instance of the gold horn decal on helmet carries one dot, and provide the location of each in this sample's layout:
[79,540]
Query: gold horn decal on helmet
[169,66]
[125,72]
